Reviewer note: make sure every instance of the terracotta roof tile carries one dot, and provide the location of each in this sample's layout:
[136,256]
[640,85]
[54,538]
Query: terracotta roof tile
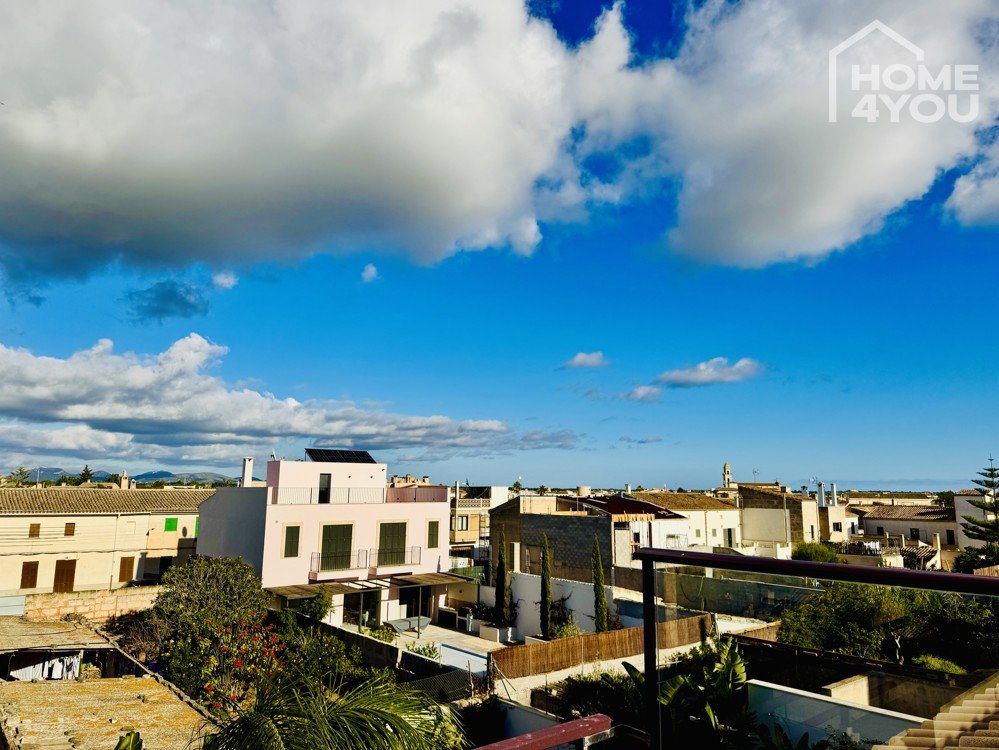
[681,501]
[75,501]
[909,513]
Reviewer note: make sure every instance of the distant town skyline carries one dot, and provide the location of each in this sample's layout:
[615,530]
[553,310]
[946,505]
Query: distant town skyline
[571,243]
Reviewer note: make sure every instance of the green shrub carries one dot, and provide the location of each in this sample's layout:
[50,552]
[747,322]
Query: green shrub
[428,649]
[383,633]
[928,661]
[815,552]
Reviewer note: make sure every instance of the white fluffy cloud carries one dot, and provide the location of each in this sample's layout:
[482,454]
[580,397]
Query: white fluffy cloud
[169,408]
[224,280]
[177,132]
[170,133]
[715,370]
[648,394]
[741,117]
[585,359]
[370,273]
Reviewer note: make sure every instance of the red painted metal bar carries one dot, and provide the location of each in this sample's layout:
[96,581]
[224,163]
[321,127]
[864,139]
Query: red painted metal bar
[542,739]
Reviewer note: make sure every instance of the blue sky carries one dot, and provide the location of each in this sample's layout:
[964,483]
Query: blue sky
[872,357]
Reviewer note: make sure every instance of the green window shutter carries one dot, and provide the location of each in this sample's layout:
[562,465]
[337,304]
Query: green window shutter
[170,524]
[392,544]
[433,534]
[197,523]
[335,552]
[291,536]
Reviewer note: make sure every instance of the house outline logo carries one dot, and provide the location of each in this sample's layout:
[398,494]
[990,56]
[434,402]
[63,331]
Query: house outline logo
[835,52]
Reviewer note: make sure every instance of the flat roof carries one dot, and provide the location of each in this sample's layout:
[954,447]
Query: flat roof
[18,634]
[74,501]
[95,713]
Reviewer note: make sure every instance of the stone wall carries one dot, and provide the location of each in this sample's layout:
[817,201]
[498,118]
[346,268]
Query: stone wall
[96,606]
[570,539]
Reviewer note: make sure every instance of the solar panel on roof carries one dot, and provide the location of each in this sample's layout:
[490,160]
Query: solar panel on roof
[336,456]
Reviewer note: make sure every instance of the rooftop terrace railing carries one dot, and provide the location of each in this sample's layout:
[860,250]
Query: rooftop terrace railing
[711,582]
[326,495]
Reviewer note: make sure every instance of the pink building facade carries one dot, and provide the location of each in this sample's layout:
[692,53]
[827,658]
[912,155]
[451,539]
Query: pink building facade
[336,523]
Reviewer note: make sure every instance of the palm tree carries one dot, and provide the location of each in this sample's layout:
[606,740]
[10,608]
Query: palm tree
[294,712]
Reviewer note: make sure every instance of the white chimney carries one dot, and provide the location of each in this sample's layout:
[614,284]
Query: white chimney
[834,500]
[627,489]
[247,478]
[821,494]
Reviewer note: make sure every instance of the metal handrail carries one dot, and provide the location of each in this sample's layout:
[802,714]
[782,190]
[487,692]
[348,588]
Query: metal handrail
[324,563]
[384,556]
[960,583]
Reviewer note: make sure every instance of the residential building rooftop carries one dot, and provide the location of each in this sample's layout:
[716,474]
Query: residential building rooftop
[77,501]
[617,505]
[909,513]
[681,501]
[18,634]
[331,456]
[95,713]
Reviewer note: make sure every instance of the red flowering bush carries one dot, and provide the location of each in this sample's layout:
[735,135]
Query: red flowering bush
[218,663]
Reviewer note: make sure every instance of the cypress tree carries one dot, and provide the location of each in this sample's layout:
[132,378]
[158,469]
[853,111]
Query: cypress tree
[986,529]
[599,595]
[546,587]
[500,609]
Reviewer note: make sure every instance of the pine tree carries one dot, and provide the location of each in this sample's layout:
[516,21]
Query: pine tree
[500,609]
[599,594]
[985,529]
[546,587]
[86,475]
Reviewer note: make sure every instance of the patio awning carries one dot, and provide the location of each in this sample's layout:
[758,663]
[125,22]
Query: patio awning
[336,588]
[430,579]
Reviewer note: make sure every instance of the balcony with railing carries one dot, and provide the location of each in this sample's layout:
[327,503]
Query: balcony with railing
[389,556]
[355,495]
[336,561]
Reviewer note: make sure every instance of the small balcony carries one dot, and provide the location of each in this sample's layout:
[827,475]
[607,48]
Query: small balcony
[388,556]
[332,562]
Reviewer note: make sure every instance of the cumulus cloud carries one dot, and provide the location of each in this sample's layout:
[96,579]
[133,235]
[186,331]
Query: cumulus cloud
[224,280]
[369,274]
[716,370]
[170,133]
[166,133]
[740,117]
[169,407]
[585,359]
[167,299]
[648,394]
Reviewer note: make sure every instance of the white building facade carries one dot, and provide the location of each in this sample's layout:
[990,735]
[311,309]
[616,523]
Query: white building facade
[333,520]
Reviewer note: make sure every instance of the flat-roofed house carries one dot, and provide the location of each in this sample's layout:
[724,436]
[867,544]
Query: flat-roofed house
[60,539]
[331,520]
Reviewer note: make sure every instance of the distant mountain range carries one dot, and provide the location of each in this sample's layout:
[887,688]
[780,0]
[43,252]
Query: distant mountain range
[170,477]
[53,474]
